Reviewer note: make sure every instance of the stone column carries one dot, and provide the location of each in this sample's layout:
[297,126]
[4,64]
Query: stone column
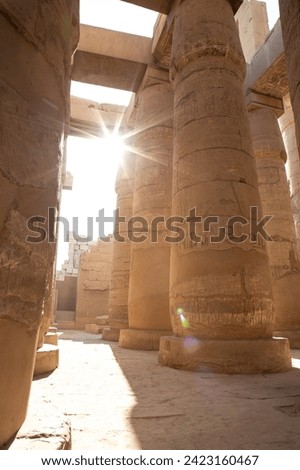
[37,40]
[273,187]
[94,274]
[48,308]
[148,303]
[287,126]
[290,20]
[119,285]
[220,287]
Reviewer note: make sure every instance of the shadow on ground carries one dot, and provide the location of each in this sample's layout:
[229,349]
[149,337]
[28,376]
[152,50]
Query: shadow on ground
[78,335]
[187,410]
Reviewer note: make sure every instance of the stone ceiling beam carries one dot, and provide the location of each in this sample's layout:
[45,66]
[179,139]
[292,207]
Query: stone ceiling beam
[162,6]
[115,44]
[89,118]
[267,72]
[96,69]
[165,6]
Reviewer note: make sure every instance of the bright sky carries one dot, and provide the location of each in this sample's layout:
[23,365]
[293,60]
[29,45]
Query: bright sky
[92,162]
[273,11]
[118,15]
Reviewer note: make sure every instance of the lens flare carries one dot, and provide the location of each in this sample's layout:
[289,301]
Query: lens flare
[184,321]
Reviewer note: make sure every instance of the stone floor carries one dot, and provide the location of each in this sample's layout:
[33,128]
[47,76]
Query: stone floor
[122,399]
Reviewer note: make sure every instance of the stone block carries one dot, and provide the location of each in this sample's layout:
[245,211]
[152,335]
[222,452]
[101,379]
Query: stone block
[47,359]
[51,338]
[92,328]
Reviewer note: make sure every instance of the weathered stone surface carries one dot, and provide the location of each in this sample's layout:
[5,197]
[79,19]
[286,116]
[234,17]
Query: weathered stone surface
[164,6]
[148,304]
[85,117]
[46,360]
[103,320]
[93,282]
[92,328]
[218,291]
[143,340]
[273,187]
[267,72]
[143,405]
[48,312]
[68,325]
[266,356]
[115,44]
[51,338]
[102,70]
[45,429]
[287,126]
[119,285]
[34,104]
[108,334]
[290,18]
[66,295]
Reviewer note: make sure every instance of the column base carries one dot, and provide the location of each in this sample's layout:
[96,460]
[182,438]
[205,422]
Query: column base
[226,356]
[46,359]
[144,340]
[109,334]
[292,336]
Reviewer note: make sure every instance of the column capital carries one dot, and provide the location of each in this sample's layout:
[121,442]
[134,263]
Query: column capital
[256,100]
[205,35]
[154,76]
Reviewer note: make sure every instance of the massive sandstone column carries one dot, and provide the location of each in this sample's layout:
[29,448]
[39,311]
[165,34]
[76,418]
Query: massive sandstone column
[119,284]
[287,126]
[37,39]
[148,303]
[283,256]
[220,292]
[290,20]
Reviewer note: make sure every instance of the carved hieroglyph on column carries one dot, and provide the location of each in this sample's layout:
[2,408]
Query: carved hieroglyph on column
[119,284]
[290,20]
[287,126]
[220,292]
[148,303]
[37,43]
[273,187]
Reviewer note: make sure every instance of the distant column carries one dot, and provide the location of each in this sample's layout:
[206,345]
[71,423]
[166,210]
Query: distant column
[148,304]
[287,126]
[290,20]
[220,286]
[273,187]
[119,285]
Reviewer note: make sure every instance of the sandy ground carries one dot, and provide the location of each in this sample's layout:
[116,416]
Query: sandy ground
[122,399]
